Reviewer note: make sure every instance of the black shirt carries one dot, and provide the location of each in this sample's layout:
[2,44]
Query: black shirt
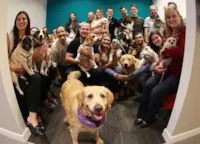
[113,23]
[138,25]
[74,45]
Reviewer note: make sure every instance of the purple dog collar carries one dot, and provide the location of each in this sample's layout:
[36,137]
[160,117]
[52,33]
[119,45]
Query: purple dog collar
[86,121]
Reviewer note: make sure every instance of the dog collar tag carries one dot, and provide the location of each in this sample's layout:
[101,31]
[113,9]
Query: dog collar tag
[86,121]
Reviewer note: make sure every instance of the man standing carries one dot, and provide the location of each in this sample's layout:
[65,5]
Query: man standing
[90,17]
[138,21]
[149,21]
[113,23]
[124,13]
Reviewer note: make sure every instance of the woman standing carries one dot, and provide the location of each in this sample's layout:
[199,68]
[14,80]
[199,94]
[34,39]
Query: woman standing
[72,26]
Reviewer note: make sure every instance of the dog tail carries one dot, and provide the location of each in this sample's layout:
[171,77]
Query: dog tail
[74,75]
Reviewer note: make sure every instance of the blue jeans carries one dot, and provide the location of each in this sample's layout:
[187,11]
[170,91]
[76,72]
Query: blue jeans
[153,94]
[112,71]
[144,69]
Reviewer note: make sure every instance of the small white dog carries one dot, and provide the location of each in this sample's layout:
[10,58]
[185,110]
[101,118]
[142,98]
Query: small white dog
[164,63]
[88,45]
[22,55]
[148,55]
[46,63]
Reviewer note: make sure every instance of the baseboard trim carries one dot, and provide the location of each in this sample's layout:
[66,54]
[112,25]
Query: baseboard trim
[22,138]
[180,137]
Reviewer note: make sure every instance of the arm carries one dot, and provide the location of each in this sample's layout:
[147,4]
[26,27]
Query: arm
[146,33]
[69,58]
[177,53]
[146,29]
[94,24]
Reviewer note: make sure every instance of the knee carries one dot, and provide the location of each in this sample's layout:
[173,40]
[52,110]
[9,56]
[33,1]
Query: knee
[156,95]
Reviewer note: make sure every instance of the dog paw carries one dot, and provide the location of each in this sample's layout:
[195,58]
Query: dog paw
[95,67]
[42,72]
[21,93]
[100,141]
[88,75]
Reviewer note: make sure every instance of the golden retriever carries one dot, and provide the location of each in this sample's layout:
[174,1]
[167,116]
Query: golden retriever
[87,45]
[129,63]
[85,107]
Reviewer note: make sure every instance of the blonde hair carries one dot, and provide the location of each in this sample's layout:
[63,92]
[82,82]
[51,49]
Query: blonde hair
[168,11]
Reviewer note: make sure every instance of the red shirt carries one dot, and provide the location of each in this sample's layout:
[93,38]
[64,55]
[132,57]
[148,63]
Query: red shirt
[176,54]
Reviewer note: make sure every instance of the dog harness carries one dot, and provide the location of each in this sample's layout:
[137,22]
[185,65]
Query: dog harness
[88,121]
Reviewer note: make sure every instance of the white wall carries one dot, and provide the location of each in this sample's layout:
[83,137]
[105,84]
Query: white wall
[184,124]
[162,3]
[36,10]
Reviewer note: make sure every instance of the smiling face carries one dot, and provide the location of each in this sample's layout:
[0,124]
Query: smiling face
[21,22]
[72,16]
[61,33]
[173,18]
[84,30]
[99,13]
[96,100]
[156,40]
[105,42]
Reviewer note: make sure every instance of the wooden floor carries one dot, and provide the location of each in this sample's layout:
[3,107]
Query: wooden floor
[119,127]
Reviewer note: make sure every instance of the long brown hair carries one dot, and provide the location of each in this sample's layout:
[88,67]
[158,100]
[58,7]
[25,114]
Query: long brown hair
[168,10]
[16,31]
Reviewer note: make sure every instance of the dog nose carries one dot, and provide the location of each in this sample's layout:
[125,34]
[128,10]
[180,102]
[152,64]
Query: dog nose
[98,108]
[125,65]
[40,36]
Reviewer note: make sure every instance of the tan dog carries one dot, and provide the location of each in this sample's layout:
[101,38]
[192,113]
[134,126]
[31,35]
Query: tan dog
[22,55]
[88,45]
[85,107]
[129,63]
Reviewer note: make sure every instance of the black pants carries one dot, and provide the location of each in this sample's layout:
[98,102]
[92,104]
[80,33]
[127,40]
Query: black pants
[32,93]
[98,77]
[46,83]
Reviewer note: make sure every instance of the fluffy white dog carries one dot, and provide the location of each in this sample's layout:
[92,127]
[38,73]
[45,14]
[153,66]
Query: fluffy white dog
[164,63]
[148,56]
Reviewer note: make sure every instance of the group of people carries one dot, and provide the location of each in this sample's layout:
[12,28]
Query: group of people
[64,47]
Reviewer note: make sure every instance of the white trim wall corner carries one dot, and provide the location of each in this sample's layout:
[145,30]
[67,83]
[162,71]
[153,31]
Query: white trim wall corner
[12,126]
[185,119]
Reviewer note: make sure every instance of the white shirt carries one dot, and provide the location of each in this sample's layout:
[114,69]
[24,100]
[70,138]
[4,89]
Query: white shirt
[58,51]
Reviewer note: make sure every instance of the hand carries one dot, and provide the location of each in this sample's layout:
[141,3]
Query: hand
[59,77]
[84,63]
[159,69]
[86,53]
[17,68]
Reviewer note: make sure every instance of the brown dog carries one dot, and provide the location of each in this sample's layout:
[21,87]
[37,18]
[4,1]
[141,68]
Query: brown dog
[87,45]
[85,107]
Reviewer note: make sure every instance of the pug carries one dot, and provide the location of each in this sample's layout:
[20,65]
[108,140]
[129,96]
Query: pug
[22,55]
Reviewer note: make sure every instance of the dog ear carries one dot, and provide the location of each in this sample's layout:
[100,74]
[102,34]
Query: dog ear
[110,97]
[80,97]
[88,39]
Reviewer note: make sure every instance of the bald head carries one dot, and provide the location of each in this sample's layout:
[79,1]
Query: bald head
[153,11]
[91,16]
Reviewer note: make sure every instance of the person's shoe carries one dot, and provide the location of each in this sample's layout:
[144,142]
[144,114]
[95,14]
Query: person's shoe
[49,105]
[53,100]
[36,130]
[144,124]
[40,124]
[57,83]
[138,121]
